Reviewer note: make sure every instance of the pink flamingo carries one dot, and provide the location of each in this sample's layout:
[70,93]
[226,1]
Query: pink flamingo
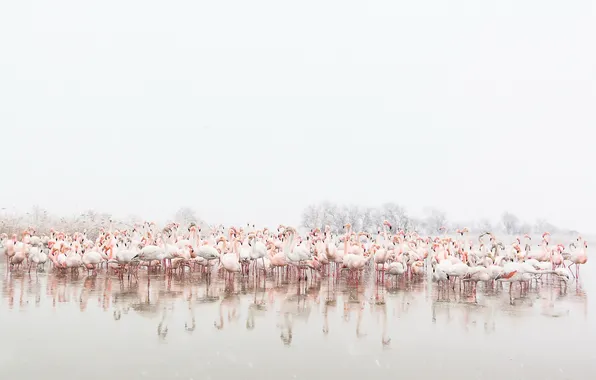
[231,262]
[579,258]
[556,256]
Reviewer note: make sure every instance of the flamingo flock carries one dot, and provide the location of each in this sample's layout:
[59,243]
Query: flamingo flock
[247,251]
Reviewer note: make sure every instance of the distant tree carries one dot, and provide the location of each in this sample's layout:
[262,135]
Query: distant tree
[525,228]
[484,225]
[368,220]
[396,215]
[542,225]
[362,219]
[510,223]
[340,217]
[354,217]
[435,219]
[310,217]
[422,226]
[376,219]
[371,219]
[39,216]
[90,215]
[328,212]
[413,224]
[185,216]
[91,222]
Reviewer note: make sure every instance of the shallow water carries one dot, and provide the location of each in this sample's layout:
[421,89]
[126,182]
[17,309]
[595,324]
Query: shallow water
[59,327]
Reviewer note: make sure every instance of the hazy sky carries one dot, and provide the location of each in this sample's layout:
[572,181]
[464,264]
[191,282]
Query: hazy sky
[250,110]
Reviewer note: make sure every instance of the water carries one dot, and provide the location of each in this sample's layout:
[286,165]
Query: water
[59,327]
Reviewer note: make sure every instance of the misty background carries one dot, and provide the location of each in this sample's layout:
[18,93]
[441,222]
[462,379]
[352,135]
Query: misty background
[253,111]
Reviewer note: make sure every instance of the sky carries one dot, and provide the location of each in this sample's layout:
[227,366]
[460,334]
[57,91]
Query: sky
[247,111]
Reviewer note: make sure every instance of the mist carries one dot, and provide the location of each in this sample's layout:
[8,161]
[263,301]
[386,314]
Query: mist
[249,112]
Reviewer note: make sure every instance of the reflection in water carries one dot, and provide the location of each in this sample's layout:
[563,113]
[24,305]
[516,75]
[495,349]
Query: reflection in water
[228,306]
[225,329]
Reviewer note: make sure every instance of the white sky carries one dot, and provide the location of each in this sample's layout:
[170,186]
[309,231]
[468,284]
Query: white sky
[249,110]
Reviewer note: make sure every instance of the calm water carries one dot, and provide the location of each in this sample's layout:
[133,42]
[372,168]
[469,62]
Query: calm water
[60,327]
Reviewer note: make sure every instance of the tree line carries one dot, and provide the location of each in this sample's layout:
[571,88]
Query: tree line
[334,215]
[90,221]
[370,219]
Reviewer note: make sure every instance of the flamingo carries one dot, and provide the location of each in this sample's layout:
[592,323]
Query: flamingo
[91,259]
[396,269]
[208,253]
[231,263]
[295,254]
[37,257]
[579,258]
[258,249]
[380,257]
[19,255]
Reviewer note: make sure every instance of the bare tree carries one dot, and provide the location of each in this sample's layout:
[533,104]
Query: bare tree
[510,223]
[396,215]
[354,217]
[435,219]
[310,217]
[542,225]
[362,219]
[185,216]
[525,228]
[484,225]
[413,225]
[341,218]
[371,219]
[328,216]
[368,220]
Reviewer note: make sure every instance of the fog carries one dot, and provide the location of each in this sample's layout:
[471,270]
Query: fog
[250,111]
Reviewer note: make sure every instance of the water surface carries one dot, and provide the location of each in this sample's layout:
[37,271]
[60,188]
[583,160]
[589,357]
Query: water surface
[60,327]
